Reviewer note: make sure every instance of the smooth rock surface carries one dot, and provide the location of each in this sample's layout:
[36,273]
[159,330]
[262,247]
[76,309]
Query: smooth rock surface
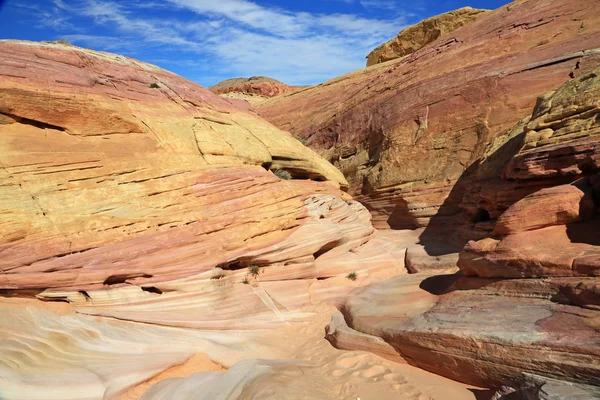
[476,337]
[561,250]
[50,353]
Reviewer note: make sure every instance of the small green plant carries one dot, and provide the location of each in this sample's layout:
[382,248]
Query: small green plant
[303,141]
[254,270]
[351,276]
[154,86]
[282,174]
[246,281]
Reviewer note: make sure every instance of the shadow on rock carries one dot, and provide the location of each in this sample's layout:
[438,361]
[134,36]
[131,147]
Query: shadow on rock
[442,284]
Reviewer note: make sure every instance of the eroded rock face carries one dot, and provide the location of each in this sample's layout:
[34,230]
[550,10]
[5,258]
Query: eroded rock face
[127,190]
[150,204]
[558,205]
[104,175]
[407,133]
[526,301]
[416,36]
[552,231]
[254,90]
[258,85]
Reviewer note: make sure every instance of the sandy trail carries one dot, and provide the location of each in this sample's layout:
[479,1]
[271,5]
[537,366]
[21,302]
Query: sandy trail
[326,372]
[337,374]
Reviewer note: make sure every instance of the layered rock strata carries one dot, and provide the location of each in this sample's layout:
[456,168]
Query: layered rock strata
[526,302]
[152,205]
[408,133]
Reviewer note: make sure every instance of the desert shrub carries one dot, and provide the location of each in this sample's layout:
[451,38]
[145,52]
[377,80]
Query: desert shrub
[218,276]
[282,174]
[246,281]
[64,41]
[254,270]
[154,86]
[351,276]
[303,141]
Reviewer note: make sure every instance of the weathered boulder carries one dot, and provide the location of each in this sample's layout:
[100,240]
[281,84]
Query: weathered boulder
[561,250]
[416,36]
[558,205]
[435,256]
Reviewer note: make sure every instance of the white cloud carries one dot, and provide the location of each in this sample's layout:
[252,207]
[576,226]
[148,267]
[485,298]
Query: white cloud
[232,37]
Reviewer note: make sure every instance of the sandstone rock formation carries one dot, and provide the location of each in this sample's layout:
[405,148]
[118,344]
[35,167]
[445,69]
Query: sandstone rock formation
[254,90]
[479,336]
[552,231]
[416,36]
[407,133]
[525,306]
[148,249]
[150,204]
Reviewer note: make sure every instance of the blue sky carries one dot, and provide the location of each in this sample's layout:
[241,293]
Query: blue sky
[297,42]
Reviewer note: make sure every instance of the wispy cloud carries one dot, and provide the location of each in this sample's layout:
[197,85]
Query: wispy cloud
[382,4]
[199,38]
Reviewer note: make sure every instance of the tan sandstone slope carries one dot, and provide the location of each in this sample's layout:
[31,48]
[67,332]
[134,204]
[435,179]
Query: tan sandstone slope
[149,204]
[416,36]
[407,133]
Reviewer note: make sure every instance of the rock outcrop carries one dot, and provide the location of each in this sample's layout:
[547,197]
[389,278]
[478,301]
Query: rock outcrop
[104,172]
[407,133]
[479,332]
[254,90]
[525,306]
[416,36]
[552,231]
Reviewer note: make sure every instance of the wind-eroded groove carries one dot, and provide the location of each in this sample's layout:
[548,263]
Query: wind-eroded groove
[153,178]
[103,176]
[554,61]
[52,257]
[33,122]
[68,170]
[214,120]
[169,190]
